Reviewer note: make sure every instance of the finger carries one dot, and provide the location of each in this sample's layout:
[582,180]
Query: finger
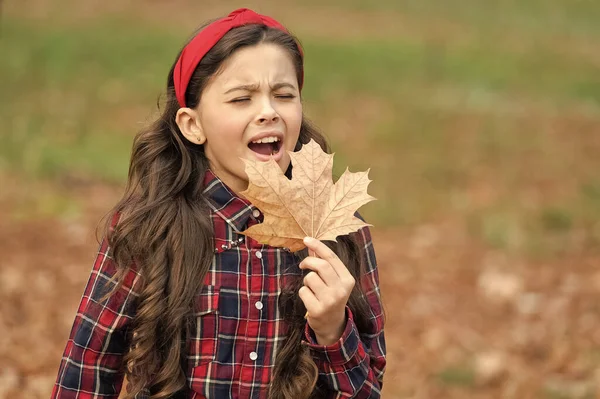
[311,303]
[324,252]
[323,268]
[313,281]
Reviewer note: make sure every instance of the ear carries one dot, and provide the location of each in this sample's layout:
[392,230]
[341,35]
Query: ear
[189,124]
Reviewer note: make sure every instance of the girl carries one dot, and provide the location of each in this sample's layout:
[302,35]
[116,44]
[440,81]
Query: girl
[178,300]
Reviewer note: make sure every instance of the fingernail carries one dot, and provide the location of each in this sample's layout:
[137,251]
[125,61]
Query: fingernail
[307,240]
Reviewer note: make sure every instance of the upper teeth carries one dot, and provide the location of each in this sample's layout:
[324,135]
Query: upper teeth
[266,140]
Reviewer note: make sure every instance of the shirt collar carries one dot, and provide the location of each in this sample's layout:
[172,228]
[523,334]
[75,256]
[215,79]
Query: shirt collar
[225,203]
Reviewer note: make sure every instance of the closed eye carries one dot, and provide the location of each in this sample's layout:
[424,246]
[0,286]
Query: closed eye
[286,96]
[239,100]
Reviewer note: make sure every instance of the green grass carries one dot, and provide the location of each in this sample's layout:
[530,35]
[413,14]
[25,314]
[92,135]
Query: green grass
[457,376]
[450,119]
[392,68]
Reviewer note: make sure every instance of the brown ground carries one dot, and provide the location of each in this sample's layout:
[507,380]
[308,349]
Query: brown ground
[462,320]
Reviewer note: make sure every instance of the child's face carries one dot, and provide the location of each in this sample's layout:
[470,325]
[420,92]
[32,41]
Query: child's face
[255,95]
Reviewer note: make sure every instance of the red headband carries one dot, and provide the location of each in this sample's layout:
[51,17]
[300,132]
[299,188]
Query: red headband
[205,40]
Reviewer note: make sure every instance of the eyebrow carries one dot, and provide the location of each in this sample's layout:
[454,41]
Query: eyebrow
[254,87]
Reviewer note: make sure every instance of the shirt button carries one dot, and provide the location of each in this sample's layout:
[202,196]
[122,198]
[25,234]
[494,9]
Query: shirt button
[253,356]
[258,254]
[256,213]
[258,305]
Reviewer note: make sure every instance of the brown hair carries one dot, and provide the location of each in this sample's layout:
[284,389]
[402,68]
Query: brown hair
[165,229]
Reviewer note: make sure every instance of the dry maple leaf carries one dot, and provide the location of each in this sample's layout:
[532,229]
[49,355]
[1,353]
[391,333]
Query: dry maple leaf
[307,205]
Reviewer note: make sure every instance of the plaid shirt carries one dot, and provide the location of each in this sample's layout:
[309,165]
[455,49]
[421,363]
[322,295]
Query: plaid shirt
[239,325]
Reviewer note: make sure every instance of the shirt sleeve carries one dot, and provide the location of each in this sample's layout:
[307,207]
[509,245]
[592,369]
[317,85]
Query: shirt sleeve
[353,367]
[91,365]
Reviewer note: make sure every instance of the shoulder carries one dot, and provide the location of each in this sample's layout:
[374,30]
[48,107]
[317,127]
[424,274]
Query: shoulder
[363,236]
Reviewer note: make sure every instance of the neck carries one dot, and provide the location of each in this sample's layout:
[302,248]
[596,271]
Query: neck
[234,185]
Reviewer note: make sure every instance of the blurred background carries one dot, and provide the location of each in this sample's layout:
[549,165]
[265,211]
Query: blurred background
[480,121]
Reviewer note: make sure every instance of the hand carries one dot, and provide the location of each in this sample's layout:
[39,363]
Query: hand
[325,292]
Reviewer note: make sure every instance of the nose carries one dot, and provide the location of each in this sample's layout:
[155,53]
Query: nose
[267,113]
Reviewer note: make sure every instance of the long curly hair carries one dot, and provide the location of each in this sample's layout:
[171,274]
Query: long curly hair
[165,229]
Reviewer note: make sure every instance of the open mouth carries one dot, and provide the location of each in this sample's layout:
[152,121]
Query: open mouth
[266,147]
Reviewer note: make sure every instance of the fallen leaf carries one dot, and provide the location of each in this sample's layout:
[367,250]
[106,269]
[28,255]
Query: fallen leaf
[309,204]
